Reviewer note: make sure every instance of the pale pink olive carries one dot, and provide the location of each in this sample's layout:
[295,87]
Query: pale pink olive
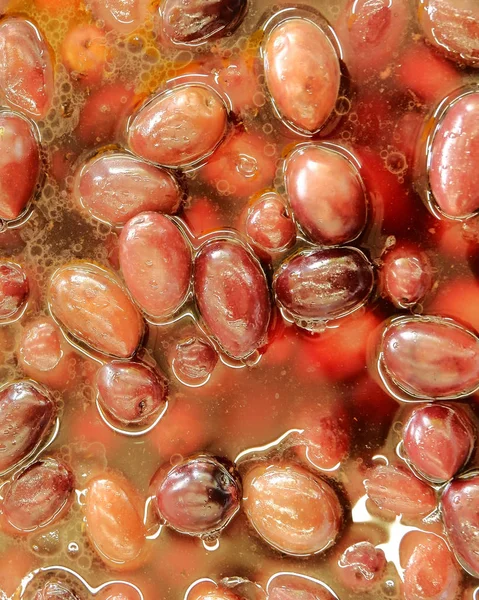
[326,194]
[430,357]
[91,305]
[291,509]
[361,566]
[453,176]
[14,289]
[452,26]
[26,72]
[397,489]
[232,296]
[302,73]
[179,127]
[26,417]
[116,187]
[123,16]
[19,164]
[156,263]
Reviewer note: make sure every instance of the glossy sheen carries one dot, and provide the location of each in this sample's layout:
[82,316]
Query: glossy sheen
[14,289]
[232,296]
[452,26]
[179,127]
[361,566]
[43,354]
[453,178]
[291,509]
[38,496]
[371,32]
[198,496]
[323,284]
[405,276]
[326,194]
[114,523]
[397,489]
[268,224]
[156,263]
[93,307]
[26,72]
[438,440]
[431,357]
[123,16]
[116,187]
[26,416]
[19,164]
[195,21]
[302,73]
[54,590]
[460,511]
[131,393]
[194,359]
[431,572]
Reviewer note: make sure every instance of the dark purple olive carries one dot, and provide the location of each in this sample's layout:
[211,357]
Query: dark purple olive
[194,359]
[39,495]
[324,284]
[132,393]
[460,512]
[26,416]
[430,357]
[438,440]
[232,296]
[195,21]
[14,289]
[199,496]
[54,590]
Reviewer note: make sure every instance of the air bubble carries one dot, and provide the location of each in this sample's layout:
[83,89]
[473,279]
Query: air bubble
[396,163]
[343,105]
[259,99]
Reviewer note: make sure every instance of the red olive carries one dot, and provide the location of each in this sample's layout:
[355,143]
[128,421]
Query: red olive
[361,566]
[131,393]
[194,360]
[438,440]
[197,21]
[26,417]
[20,165]
[453,176]
[85,53]
[123,16]
[302,73]
[460,513]
[398,490]
[326,194]
[406,275]
[232,296]
[371,34]
[14,289]
[430,357]
[116,187]
[323,284]
[431,573]
[291,509]
[156,263]
[268,224]
[38,496]
[114,525]
[26,72]
[199,496]
[179,127]
[452,27]
[92,306]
